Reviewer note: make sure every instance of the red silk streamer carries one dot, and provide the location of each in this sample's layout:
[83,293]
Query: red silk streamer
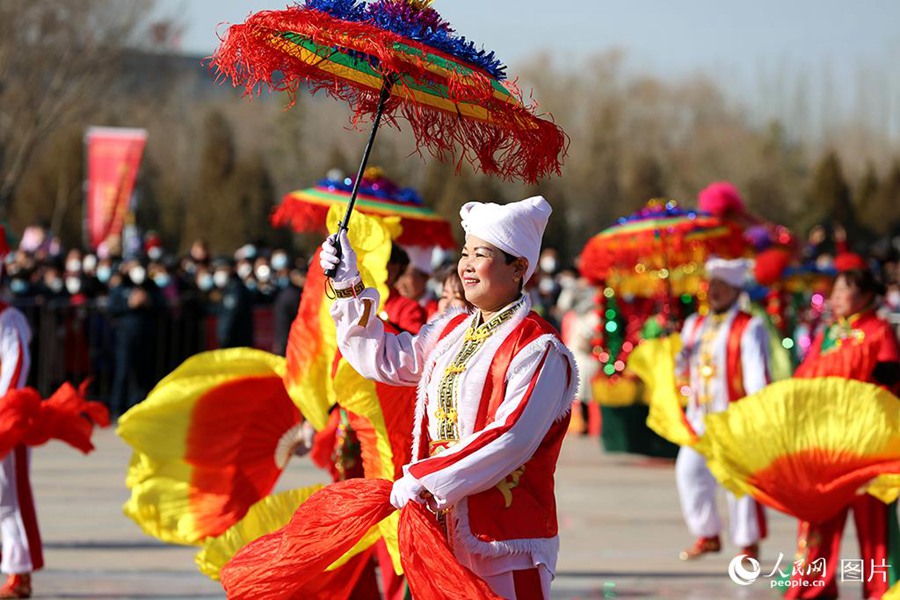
[322,530]
[18,409]
[26,418]
[289,561]
[433,573]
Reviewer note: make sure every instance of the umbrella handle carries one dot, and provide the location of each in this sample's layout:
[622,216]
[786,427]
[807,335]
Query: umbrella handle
[382,100]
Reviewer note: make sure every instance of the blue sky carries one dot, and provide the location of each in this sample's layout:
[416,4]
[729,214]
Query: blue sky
[663,36]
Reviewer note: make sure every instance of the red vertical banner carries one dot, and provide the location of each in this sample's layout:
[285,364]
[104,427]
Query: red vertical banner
[113,157]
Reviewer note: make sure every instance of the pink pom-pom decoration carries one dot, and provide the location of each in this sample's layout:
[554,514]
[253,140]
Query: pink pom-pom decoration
[721,199]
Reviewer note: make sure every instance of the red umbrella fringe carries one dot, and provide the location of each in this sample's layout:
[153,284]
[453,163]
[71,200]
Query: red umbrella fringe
[303,216]
[283,564]
[512,143]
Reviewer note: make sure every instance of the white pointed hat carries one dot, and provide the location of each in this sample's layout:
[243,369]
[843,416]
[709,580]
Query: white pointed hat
[516,228]
[733,272]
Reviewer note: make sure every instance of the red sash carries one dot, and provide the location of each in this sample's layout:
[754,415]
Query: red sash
[734,371]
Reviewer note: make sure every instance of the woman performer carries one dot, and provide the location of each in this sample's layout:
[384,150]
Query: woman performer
[495,388]
[859,346]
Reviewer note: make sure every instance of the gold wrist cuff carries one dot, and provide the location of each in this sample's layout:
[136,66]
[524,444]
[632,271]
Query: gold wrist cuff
[351,292]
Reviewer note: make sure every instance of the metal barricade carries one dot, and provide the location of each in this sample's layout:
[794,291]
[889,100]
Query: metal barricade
[75,341]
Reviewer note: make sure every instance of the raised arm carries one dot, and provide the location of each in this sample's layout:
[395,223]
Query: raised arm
[362,340]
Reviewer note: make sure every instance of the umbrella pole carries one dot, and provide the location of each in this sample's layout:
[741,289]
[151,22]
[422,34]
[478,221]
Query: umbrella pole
[382,100]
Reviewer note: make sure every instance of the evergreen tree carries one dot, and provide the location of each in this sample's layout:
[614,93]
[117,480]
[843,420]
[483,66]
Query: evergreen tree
[215,211]
[643,181]
[830,194]
[885,205]
[865,199]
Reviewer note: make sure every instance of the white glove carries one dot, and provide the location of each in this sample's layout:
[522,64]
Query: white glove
[346,263]
[405,489]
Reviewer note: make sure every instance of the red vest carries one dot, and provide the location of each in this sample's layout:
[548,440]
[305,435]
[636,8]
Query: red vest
[523,506]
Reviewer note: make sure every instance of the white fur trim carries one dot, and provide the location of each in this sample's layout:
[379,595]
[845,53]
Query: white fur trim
[540,345]
[433,348]
[472,381]
[542,550]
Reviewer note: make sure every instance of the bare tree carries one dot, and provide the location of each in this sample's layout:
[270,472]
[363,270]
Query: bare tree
[55,59]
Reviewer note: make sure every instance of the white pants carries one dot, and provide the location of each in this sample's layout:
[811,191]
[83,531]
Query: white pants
[14,529]
[697,490]
[503,584]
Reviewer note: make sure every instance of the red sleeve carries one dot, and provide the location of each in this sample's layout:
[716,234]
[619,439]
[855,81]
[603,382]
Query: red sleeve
[431,308]
[811,356]
[888,351]
[404,313]
[411,318]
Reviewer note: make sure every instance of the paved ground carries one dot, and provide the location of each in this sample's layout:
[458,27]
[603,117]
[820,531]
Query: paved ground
[620,525]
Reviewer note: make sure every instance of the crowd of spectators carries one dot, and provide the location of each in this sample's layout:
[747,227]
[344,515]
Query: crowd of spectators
[134,317]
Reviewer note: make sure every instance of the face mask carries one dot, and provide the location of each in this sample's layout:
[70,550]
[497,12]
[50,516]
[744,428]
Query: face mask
[205,282]
[251,284]
[190,268]
[279,262]
[162,280]
[138,275]
[893,298]
[73,265]
[89,263]
[283,282]
[155,253]
[244,270]
[55,285]
[73,285]
[18,286]
[567,282]
[104,273]
[263,272]
[546,285]
[221,278]
[548,265]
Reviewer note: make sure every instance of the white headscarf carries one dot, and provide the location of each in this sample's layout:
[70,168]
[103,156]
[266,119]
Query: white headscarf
[733,272]
[420,258]
[516,228]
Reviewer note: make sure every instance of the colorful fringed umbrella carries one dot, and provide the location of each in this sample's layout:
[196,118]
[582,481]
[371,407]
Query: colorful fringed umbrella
[806,447]
[305,210]
[209,441]
[659,250]
[397,59]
